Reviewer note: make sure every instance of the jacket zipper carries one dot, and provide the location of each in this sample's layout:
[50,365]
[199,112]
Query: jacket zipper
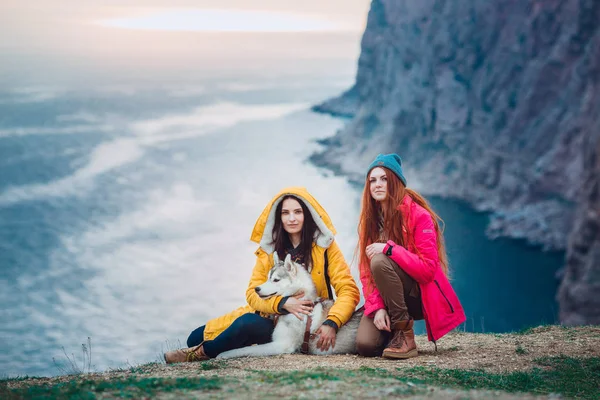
[443,294]
[428,327]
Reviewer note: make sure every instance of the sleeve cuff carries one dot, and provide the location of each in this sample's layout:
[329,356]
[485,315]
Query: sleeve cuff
[387,246]
[332,324]
[280,309]
[371,314]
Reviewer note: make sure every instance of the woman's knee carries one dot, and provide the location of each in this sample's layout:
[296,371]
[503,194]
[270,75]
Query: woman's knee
[246,320]
[251,325]
[379,263]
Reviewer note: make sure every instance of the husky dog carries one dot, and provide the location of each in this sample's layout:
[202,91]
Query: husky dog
[286,279]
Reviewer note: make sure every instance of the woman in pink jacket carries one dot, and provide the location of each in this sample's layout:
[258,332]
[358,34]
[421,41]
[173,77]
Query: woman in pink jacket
[403,266]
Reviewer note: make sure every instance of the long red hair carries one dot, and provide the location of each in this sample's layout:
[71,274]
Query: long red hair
[394,223]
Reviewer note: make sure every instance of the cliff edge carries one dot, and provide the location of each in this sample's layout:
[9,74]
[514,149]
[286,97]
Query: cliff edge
[495,103]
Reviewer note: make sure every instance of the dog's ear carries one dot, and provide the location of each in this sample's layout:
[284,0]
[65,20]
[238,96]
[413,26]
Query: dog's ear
[275,258]
[290,265]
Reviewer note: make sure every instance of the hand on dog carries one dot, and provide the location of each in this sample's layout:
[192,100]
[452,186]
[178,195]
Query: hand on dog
[297,307]
[382,320]
[373,249]
[326,337]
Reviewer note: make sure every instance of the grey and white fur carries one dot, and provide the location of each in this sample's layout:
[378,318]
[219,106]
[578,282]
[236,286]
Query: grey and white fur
[286,279]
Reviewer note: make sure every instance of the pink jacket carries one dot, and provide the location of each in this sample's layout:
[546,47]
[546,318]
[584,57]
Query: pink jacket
[441,308]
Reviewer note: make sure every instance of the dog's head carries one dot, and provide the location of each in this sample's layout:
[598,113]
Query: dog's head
[282,279]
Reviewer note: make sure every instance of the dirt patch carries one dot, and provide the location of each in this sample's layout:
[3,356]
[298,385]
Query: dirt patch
[457,350]
[490,352]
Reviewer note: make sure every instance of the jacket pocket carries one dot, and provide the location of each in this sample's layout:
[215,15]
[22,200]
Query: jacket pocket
[443,294]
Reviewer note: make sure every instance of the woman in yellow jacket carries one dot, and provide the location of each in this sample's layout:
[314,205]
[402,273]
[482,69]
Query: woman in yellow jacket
[292,223]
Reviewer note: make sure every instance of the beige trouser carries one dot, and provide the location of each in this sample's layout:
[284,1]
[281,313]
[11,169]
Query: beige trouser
[402,299]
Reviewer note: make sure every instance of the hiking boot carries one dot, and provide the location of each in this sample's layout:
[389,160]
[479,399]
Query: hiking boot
[403,343]
[190,354]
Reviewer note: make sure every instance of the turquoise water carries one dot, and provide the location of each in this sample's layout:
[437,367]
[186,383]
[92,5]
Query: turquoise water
[125,217]
[505,285]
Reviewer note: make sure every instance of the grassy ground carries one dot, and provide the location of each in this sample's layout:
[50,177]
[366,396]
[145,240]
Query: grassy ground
[545,361]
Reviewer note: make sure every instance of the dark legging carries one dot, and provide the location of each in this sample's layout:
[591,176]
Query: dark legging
[246,330]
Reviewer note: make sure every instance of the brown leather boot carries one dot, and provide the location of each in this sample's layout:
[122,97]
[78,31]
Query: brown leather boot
[403,343]
[190,354]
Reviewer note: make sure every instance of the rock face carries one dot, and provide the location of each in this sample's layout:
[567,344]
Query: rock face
[492,102]
[579,293]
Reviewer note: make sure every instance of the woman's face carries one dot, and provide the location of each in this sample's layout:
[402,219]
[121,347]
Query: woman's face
[378,184]
[292,216]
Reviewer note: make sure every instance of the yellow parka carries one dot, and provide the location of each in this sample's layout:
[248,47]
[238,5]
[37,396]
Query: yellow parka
[346,291]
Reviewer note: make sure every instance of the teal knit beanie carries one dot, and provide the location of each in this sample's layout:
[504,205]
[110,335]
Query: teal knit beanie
[393,162]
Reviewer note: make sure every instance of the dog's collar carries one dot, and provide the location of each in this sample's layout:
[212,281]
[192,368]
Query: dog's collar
[307,335]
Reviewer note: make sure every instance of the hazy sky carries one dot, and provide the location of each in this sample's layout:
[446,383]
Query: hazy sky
[84,34]
[50,23]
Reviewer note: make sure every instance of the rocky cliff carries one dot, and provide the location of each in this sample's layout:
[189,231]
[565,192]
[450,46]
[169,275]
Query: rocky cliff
[493,102]
[579,291]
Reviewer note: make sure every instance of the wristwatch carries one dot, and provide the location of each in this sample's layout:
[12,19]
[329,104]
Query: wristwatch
[389,250]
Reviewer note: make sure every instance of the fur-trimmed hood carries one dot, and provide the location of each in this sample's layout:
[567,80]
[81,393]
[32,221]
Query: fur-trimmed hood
[262,232]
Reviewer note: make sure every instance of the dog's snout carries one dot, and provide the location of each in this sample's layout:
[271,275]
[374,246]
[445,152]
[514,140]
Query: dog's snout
[257,289]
